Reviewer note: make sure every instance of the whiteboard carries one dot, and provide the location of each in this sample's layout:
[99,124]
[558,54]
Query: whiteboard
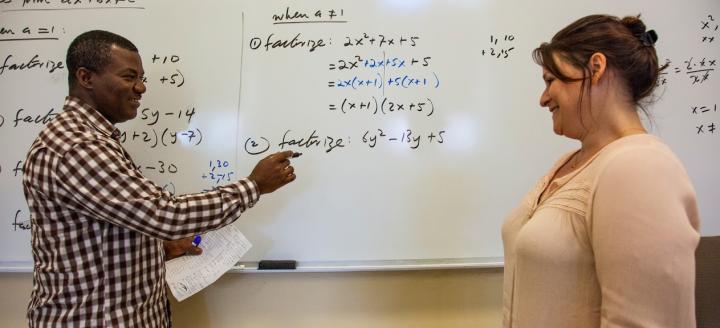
[418,121]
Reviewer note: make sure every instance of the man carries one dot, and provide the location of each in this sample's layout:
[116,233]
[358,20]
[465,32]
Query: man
[97,223]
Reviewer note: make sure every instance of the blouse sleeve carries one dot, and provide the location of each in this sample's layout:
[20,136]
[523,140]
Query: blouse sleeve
[644,234]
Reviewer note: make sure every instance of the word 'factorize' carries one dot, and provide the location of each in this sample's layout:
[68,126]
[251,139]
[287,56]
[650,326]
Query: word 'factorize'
[313,140]
[39,119]
[19,222]
[9,64]
[272,42]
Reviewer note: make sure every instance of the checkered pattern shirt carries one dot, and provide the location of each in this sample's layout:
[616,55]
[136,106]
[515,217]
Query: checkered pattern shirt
[97,226]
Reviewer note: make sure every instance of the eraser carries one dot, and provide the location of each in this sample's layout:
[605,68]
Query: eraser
[277,265]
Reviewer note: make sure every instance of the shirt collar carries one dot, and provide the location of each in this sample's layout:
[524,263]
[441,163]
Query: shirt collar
[92,115]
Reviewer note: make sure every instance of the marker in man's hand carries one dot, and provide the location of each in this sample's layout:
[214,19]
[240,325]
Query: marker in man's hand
[196,241]
[296,155]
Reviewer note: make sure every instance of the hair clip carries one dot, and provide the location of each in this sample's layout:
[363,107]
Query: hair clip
[648,38]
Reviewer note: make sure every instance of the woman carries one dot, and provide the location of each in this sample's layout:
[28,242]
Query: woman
[607,237]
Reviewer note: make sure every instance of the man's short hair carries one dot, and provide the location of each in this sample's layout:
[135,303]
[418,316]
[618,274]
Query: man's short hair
[92,51]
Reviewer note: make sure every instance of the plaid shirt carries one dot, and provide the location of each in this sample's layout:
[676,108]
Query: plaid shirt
[97,226]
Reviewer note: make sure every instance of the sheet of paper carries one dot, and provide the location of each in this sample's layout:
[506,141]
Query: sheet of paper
[222,249]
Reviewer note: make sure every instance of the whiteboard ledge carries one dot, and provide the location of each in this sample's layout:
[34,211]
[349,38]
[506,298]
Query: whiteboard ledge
[337,266]
[381,265]
[10,267]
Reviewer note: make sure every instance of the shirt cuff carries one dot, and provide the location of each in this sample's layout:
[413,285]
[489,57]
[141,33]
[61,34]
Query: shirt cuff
[249,188]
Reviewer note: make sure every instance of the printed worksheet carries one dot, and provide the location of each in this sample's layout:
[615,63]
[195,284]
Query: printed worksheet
[222,249]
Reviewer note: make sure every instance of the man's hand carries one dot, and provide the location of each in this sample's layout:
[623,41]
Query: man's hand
[180,247]
[273,172]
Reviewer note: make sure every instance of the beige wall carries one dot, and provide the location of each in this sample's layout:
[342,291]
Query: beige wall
[434,298]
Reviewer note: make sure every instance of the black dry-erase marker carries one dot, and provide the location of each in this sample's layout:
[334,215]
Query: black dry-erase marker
[296,155]
[277,265]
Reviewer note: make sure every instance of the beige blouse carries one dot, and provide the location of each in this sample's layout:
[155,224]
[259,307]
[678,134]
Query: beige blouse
[611,246]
